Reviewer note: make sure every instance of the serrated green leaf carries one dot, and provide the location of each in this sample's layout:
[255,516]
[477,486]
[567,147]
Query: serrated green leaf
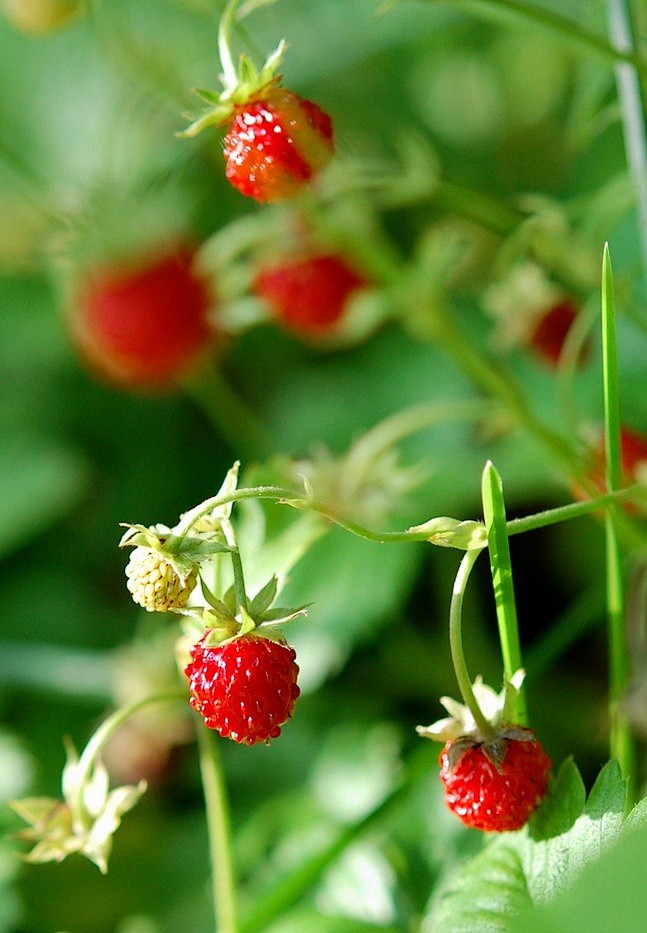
[610,894]
[564,803]
[551,864]
[484,894]
[637,817]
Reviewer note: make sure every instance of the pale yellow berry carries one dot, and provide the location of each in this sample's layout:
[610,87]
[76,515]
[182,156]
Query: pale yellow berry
[155,583]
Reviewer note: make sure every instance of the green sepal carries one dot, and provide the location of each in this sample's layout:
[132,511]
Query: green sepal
[278,616]
[264,598]
[221,611]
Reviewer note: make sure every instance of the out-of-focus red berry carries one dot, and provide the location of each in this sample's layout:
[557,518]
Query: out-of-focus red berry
[142,325]
[308,295]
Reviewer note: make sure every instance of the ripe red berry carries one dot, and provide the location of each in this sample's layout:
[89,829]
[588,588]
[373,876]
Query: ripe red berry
[276,143]
[142,326]
[551,330]
[496,785]
[309,294]
[246,688]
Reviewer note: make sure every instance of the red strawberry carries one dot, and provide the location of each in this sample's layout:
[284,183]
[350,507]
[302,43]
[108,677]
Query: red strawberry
[143,325]
[245,688]
[495,785]
[551,330]
[276,143]
[308,295]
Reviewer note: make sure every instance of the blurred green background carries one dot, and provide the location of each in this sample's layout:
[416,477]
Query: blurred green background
[515,120]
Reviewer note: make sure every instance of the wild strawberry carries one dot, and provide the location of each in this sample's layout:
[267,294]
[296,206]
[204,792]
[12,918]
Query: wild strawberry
[309,294]
[244,688]
[276,143]
[495,785]
[142,325]
[37,17]
[494,774]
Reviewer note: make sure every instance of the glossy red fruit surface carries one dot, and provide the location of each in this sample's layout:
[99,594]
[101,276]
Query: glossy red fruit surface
[495,796]
[308,295]
[245,689]
[276,144]
[142,326]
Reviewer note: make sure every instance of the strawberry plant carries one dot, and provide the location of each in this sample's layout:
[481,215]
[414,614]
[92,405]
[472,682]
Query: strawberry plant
[408,307]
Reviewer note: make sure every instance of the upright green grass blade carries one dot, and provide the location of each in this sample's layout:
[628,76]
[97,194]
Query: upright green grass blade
[501,566]
[621,740]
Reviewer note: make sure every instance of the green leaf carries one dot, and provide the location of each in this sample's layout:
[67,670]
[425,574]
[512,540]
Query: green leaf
[483,895]
[610,894]
[563,805]
[552,862]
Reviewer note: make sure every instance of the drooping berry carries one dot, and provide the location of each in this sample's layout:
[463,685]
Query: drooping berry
[245,688]
[276,143]
[495,785]
[143,325]
[155,583]
[309,294]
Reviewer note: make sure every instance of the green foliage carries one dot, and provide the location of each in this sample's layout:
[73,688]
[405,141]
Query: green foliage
[472,139]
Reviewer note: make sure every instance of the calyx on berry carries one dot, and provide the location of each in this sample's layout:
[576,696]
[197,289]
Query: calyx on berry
[498,709]
[241,83]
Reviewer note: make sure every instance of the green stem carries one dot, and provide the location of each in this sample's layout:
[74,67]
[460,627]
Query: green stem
[109,726]
[501,567]
[514,526]
[229,71]
[237,564]
[223,885]
[456,644]
[621,740]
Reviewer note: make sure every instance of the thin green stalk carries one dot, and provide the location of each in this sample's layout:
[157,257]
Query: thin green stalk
[109,726]
[501,567]
[621,739]
[237,564]
[223,886]
[456,643]
[229,70]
